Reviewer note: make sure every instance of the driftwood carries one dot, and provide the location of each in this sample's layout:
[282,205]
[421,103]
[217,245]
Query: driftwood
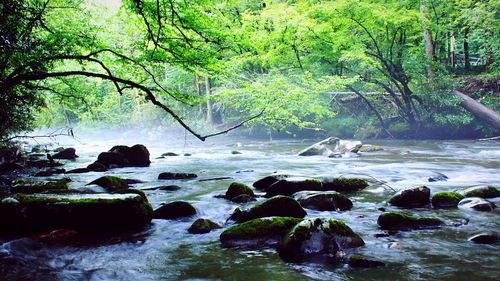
[480,111]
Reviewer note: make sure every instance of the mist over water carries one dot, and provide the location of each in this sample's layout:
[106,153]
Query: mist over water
[165,251]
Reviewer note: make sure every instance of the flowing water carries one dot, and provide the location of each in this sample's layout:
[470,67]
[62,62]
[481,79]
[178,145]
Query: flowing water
[165,251]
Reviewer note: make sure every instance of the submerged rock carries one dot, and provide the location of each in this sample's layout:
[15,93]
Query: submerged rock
[201,226]
[485,238]
[482,191]
[49,172]
[289,186]
[265,182]
[111,183]
[258,232]
[476,203]
[67,153]
[278,206]
[78,171]
[176,176]
[344,185]
[237,189]
[174,210]
[412,197]
[89,212]
[235,152]
[437,177]
[323,201]
[169,154]
[356,261]
[318,240]
[402,221]
[33,186]
[446,199]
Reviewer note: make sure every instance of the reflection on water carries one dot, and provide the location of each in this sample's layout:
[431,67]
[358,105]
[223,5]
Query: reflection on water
[167,252]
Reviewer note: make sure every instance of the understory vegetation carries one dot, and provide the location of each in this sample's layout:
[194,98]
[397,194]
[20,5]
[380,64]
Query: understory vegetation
[354,69]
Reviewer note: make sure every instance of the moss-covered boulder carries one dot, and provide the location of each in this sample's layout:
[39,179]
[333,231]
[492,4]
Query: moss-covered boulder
[289,186]
[402,221]
[344,185]
[356,261]
[243,198]
[370,148]
[124,156]
[477,204]
[34,186]
[201,226]
[97,167]
[278,206]
[318,240]
[323,201]
[174,210]
[258,232]
[111,183]
[112,160]
[446,199]
[176,176]
[412,197]
[265,182]
[88,212]
[481,191]
[66,153]
[236,189]
[485,238]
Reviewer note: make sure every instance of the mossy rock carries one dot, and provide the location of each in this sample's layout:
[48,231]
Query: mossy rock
[344,185]
[201,226]
[289,186]
[258,232]
[370,148]
[318,240]
[111,183]
[66,153]
[323,201]
[174,210]
[176,176]
[265,182]
[356,261]
[236,189]
[278,206]
[446,199]
[32,186]
[482,191]
[86,212]
[97,167]
[402,221]
[412,197]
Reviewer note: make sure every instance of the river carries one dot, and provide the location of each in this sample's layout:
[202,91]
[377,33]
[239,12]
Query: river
[165,251]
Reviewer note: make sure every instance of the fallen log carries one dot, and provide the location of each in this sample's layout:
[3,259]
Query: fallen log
[480,111]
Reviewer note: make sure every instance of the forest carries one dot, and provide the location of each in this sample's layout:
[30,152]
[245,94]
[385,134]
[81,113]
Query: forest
[364,69]
[249,140]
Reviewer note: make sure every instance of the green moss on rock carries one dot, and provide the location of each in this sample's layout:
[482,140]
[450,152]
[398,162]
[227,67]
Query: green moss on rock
[446,199]
[289,186]
[33,186]
[344,185]
[201,226]
[237,189]
[111,183]
[278,206]
[402,221]
[482,191]
[258,231]
[323,201]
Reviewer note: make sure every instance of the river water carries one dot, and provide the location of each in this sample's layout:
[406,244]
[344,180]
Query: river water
[165,251]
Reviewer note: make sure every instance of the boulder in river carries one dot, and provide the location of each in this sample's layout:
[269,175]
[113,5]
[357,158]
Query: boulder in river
[356,261]
[169,154]
[258,232]
[481,191]
[343,185]
[35,186]
[485,238]
[124,156]
[201,226]
[97,167]
[176,176]
[412,197]
[370,148]
[289,186]
[265,182]
[446,199]
[89,212]
[278,206]
[111,183]
[323,201]
[174,210]
[318,240]
[67,153]
[402,221]
[325,147]
[236,189]
[476,203]
[78,171]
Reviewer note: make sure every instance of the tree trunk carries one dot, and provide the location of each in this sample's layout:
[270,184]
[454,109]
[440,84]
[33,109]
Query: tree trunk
[197,83]
[208,92]
[452,50]
[429,44]
[480,111]
[466,49]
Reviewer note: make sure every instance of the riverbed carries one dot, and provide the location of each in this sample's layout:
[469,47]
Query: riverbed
[166,251]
